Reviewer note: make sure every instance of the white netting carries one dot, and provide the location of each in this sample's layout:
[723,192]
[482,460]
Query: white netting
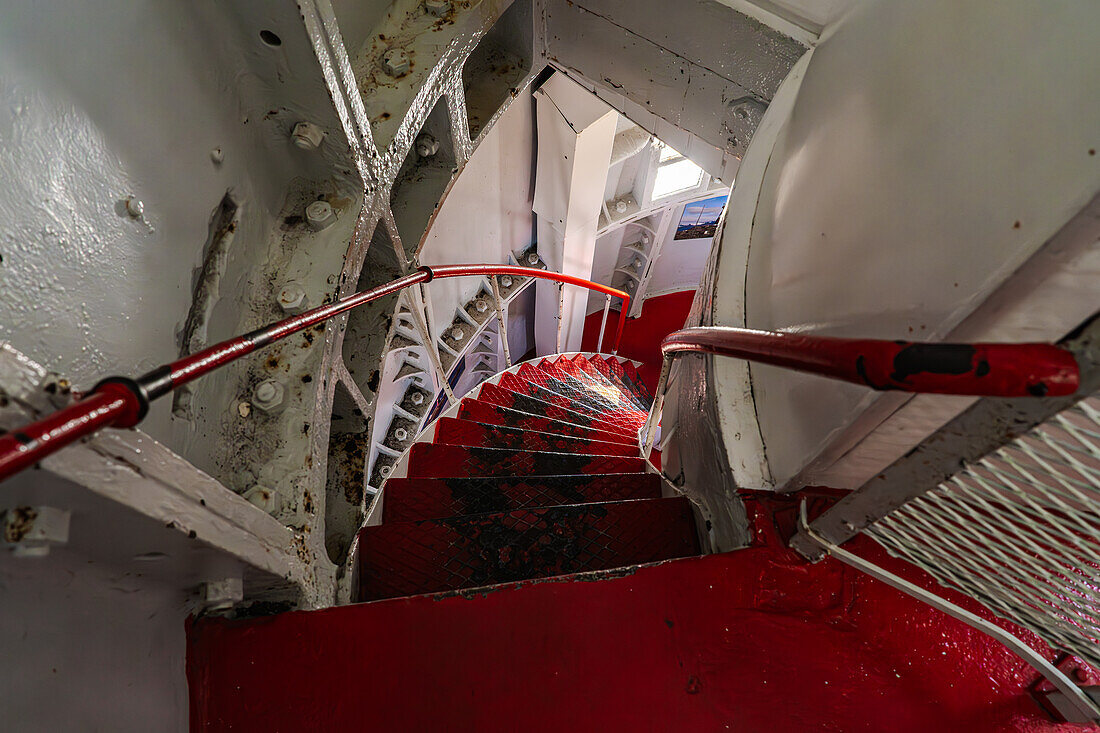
[1018,530]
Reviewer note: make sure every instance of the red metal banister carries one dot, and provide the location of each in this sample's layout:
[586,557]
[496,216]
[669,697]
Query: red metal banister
[123,402]
[980,370]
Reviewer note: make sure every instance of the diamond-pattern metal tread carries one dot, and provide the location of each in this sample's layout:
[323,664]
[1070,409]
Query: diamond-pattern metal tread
[597,398]
[410,558]
[567,372]
[450,431]
[494,395]
[431,498]
[429,460]
[496,415]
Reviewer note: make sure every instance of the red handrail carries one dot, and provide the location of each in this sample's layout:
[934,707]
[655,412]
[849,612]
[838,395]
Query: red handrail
[983,370]
[980,370]
[123,402]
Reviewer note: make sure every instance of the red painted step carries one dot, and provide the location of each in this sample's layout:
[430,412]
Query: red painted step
[624,373]
[427,460]
[495,415]
[409,499]
[591,379]
[451,431]
[573,403]
[410,558]
[599,395]
[626,426]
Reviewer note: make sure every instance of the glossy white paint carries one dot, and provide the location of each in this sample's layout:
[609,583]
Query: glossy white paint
[486,215]
[576,133]
[899,194]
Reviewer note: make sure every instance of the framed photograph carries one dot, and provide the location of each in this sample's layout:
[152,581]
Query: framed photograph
[700,219]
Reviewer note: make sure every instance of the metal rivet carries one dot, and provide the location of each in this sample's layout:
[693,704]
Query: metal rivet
[307,136]
[438,8]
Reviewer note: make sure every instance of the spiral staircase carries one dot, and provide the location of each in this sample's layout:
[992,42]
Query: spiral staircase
[535,474]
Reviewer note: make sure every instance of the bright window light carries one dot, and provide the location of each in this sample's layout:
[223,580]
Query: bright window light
[675,174]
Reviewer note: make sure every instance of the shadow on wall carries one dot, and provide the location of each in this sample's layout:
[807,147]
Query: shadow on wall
[642,336]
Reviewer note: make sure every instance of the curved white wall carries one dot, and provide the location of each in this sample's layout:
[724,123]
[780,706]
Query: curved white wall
[932,149]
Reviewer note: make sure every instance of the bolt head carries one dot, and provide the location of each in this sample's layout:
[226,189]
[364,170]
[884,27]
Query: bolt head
[320,215]
[621,206]
[134,207]
[395,62]
[263,497]
[532,258]
[457,334]
[416,398]
[506,281]
[268,395]
[292,298]
[481,306]
[426,145]
[307,136]
[401,434]
[438,8]
[385,470]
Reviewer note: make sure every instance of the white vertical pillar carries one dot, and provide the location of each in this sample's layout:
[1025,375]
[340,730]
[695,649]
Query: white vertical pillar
[576,132]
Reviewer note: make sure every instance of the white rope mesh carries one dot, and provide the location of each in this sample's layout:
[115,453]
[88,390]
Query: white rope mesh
[1019,531]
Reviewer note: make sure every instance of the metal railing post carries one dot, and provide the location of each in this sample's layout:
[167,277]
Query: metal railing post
[561,313]
[500,318]
[603,322]
[649,433]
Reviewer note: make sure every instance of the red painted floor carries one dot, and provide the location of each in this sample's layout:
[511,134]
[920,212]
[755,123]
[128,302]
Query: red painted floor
[753,640]
[642,336]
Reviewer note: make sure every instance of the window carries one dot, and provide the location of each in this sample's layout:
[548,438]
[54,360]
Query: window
[675,173]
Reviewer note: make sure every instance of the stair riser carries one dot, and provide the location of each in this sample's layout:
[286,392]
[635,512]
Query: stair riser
[409,558]
[414,499]
[452,461]
[495,415]
[450,431]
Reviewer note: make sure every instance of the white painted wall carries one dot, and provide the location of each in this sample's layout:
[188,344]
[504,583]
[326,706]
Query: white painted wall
[90,648]
[486,215]
[102,101]
[906,184]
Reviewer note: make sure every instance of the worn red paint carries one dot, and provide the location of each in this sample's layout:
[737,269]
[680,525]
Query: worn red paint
[428,556]
[753,640]
[994,370]
[433,498]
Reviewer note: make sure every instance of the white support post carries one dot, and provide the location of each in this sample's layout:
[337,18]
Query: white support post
[500,318]
[561,315]
[603,323]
